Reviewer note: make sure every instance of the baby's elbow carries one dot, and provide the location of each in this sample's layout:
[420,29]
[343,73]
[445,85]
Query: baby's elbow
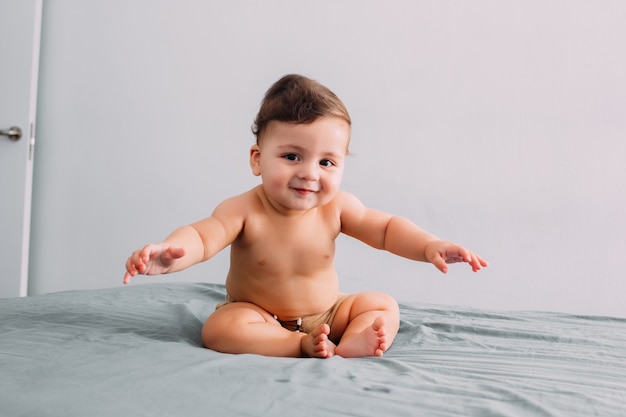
[386,240]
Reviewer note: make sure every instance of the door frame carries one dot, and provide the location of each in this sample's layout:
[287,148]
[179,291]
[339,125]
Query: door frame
[28,135]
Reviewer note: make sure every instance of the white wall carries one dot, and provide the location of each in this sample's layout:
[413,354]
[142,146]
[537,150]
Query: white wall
[497,124]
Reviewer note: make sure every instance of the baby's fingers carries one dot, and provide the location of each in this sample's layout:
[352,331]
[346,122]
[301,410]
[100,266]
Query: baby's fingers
[137,262]
[132,265]
[477,263]
[463,255]
[176,253]
[150,252]
[439,262]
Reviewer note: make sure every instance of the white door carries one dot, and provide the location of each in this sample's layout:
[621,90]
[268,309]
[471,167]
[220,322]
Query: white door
[20,29]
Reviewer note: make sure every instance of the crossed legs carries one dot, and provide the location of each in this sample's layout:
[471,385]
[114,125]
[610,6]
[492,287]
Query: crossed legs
[365,325]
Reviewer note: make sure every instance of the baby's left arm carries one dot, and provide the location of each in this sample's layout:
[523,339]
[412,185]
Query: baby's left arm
[440,253]
[400,236]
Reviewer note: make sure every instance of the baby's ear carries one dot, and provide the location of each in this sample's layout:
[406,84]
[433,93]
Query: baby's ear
[255,160]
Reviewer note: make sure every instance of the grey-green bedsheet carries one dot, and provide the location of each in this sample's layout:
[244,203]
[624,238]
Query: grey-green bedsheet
[135,351]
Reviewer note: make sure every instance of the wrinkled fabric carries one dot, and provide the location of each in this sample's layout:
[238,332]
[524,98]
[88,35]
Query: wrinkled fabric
[136,351]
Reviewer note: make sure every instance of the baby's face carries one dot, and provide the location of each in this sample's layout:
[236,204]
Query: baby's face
[301,164]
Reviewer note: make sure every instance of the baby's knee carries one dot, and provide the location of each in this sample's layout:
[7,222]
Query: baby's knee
[379,301]
[389,301]
[208,334]
[215,332]
[391,305]
[386,301]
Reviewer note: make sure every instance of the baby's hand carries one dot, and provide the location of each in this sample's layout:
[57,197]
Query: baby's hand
[152,259]
[440,253]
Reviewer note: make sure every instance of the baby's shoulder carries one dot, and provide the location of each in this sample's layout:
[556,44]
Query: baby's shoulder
[243,200]
[240,205]
[346,201]
[342,205]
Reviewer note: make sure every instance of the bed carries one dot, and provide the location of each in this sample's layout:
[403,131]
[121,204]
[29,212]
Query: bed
[136,351]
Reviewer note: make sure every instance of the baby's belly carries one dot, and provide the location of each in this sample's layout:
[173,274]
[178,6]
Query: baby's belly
[288,299]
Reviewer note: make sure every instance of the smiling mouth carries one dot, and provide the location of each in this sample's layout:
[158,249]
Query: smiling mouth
[303,191]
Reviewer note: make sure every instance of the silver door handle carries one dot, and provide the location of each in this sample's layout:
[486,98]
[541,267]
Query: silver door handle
[13,133]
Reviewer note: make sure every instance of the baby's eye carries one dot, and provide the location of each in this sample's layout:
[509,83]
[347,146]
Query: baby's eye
[326,163]
[291,157]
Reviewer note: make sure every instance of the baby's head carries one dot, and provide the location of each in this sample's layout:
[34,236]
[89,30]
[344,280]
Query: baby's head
[297,99]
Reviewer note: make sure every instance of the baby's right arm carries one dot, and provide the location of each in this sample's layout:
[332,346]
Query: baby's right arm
[178,251]
[152,259]
[189,245]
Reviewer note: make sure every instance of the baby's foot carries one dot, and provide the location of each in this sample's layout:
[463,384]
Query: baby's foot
[316,344]
[371,341]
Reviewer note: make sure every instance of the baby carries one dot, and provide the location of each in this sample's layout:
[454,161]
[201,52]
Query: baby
[283,294]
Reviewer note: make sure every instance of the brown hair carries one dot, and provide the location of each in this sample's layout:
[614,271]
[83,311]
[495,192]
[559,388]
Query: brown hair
[298,99]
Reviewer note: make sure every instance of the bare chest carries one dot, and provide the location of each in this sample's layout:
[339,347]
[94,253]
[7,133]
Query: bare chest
[303,247]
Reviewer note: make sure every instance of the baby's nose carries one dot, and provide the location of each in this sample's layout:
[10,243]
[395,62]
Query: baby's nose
[309,171]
